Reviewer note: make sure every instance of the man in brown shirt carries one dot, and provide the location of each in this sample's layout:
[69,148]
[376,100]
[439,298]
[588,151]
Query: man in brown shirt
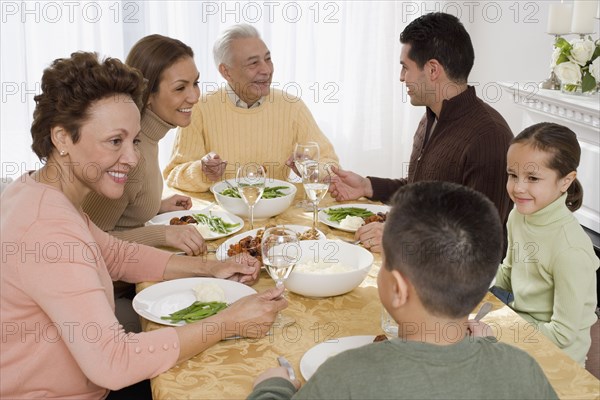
[460,139]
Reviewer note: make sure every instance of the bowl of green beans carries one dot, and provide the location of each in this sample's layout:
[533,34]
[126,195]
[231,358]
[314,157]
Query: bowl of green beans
[276,198]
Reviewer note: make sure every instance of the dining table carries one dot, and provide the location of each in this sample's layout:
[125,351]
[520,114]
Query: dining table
[228,369]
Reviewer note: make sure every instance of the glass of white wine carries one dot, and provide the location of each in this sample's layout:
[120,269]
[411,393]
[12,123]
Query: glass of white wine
[315,179]
[305,153]
[250,179]
[280,250]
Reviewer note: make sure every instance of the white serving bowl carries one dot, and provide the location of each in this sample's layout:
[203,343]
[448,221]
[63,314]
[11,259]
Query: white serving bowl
[328,252]
[265,208]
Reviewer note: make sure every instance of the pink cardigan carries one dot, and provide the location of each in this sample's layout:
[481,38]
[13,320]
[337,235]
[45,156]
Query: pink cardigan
[60,336]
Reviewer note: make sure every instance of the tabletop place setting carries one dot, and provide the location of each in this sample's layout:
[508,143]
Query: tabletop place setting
[305,243]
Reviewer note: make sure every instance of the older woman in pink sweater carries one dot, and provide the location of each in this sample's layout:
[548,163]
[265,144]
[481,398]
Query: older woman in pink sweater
[60,337]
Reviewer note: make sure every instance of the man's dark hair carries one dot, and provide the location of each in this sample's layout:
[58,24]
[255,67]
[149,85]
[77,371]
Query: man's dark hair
[442,37]
[447,240]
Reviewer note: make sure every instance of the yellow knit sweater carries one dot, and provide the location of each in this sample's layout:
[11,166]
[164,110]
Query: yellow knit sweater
[125,217]
[265,135]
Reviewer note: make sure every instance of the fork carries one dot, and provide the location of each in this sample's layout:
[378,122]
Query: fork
[286,364]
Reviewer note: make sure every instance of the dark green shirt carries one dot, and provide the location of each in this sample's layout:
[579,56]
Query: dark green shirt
[475,368]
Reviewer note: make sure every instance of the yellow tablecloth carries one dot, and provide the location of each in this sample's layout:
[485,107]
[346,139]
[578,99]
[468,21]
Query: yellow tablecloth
[228,369]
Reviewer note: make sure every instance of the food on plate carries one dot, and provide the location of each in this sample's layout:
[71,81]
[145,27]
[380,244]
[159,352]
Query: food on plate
[209,292]
[352,222]
[269,192]
[321,267]
[195,312]
[215,224]
[251,244]
[186,219]
[379,217]
[353,217]
[380,338]
[210,299]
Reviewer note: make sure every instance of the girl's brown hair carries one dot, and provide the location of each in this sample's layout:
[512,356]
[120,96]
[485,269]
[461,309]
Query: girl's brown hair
[562,145]
[70,86]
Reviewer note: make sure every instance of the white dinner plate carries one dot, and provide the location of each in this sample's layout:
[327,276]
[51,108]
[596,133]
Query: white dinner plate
[374,208]
[167,297]
[163,219]
[317,355]
[222,249]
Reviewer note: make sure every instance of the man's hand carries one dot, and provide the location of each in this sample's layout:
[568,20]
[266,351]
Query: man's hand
[347,185]
[213,167]
[276,372]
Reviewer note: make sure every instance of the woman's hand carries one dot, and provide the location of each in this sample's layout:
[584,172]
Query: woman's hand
[213,167]
[370,236]
[241,268]
[252,316]
[186,238]
[177,202]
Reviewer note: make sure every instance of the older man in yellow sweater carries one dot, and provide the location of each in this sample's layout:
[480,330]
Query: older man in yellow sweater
[245,122]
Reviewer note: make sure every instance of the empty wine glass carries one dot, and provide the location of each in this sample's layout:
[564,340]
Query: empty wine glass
[250,180]
[315,179]
[305,153]
[280,252]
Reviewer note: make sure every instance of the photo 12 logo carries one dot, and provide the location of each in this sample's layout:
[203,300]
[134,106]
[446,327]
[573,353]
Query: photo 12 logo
[70,11]
[270,11]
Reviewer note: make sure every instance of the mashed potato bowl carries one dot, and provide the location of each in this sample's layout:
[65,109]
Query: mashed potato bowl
[328,268]
[265,208]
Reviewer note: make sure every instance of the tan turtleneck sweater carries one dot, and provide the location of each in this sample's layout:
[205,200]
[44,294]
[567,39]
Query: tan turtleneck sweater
[265,135]
[125,217]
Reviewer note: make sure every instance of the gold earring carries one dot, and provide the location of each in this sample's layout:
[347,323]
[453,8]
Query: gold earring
[63,153]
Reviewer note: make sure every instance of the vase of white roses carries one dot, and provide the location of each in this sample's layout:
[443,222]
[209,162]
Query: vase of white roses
[577,64]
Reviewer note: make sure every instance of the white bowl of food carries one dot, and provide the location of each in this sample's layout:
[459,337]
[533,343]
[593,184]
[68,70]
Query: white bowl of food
[328,268]
[283,195]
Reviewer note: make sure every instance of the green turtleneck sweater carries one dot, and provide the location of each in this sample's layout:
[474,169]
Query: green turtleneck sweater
[125,217]
[550,269]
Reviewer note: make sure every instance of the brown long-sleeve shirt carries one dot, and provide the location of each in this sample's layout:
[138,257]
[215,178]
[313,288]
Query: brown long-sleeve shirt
[467,146]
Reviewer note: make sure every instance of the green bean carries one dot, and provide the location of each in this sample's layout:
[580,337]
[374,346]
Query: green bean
[215,224]
[269,192]
[195,312]
[338,214]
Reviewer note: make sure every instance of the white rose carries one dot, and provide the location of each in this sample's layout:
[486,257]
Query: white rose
[582,51]
[595,69]
[555,55]
[569,73]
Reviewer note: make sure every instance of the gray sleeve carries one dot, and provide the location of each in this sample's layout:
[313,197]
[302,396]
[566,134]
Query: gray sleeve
[273,389]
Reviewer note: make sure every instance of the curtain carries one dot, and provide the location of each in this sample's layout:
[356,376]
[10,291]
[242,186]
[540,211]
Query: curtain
[341,57]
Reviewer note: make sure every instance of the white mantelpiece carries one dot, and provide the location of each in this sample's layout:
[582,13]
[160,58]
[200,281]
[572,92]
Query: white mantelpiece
[582,115]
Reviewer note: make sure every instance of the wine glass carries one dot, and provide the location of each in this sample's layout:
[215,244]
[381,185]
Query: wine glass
[250,180]
[280,250]
[315,179]
[305,153]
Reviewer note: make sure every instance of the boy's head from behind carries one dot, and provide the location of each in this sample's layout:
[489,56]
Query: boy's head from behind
[446,240]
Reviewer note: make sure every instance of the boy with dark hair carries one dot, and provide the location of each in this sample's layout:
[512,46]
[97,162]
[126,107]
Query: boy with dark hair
[441,247]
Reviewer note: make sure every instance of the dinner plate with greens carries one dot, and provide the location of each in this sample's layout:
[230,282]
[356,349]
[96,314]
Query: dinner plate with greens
[349,217]
[182,301]
[211,224]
